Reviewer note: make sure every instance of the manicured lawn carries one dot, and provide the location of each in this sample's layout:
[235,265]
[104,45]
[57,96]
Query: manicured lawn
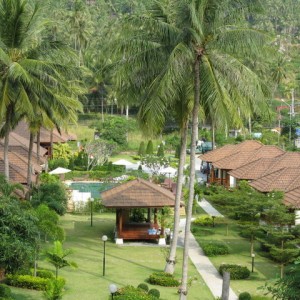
[264,269]
[125,264]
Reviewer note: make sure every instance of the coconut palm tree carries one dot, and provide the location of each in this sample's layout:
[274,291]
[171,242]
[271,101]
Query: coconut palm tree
[34,72]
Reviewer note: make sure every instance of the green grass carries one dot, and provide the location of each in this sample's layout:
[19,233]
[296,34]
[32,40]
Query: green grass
[264,269]
[124,264]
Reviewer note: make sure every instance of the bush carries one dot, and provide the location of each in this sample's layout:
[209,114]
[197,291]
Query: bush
[155,293]
[131,293]
[54,290]
[244,296]
[215,248]
[204,221]
[30,282]
[236,271]
[5,292]
[143,286]
[163,279]
[43,273]
[200,231]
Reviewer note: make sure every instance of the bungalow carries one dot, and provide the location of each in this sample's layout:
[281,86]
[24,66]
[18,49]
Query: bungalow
[138,194]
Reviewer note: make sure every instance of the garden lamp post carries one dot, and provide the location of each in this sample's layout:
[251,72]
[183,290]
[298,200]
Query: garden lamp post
[91,202]
[113,289]
[104,239]
[252,256]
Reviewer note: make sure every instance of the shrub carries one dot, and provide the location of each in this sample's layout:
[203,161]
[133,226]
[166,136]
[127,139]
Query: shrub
[236,271]
[43,273]
[244,296]
[155,293]
[54,290]
[163,279]
[142,149]
[203,221]
[215,248]
[143,286]
[149,149]
[30,282]
[131,293]
[200,231]
[5,292]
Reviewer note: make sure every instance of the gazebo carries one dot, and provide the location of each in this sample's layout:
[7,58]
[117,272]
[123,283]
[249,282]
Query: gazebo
[127,198]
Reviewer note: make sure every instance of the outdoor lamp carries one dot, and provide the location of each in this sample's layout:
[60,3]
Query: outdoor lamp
[252,256]
[91,200]
[113,289]
[104,239]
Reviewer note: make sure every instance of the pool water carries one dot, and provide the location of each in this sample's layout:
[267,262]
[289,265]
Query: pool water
[95,188]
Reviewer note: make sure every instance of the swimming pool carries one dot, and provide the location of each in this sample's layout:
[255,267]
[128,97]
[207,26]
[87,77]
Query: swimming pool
[95,188]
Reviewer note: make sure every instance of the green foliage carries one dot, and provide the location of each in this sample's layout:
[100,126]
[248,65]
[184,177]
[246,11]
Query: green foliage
[287,288]
[54,290]
[161,150]
[57,257]
[115,129]
[142,149]
[203,221]
[58,162]
[131,293]
[155,293]
[245,296]
[149,148]
[154,163]
[18,234]
[53,195]
[43,273]
[62,151]
[48,223]
[5,292]
[163,279]
[144,287]
[236,271]
[48,178]
[27,281]
[215,248]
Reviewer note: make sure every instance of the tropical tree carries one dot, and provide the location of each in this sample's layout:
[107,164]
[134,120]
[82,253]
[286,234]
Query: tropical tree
[188,43]
[57,257]
[35,72]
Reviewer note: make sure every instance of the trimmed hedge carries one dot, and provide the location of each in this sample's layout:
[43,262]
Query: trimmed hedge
[143,286]
[5,292]
[30,282]
[163,279]
[131,293]
[204,221]
[215,248]
[244,296]
[236,271]
[43,273]
[155,293]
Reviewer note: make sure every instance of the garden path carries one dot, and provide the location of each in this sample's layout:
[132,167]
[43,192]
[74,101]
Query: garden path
[202,263]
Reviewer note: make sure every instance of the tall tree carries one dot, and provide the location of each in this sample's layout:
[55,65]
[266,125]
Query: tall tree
[32,73]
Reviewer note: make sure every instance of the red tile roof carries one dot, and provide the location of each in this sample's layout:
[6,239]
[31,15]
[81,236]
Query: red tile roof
[137,193]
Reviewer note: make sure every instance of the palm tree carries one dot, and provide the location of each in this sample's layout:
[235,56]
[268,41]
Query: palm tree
[34,72]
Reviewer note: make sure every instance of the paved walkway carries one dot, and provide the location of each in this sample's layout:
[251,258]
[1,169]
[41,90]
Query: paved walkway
[204,266]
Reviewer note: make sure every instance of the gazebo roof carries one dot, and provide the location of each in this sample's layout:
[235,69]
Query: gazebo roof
[137,193]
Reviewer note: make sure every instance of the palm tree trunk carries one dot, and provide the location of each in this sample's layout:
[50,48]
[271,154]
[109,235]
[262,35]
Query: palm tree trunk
[38,141]
[51,144]
[184,279]
[213,133]
[170,265]
[5,154]
[29,166]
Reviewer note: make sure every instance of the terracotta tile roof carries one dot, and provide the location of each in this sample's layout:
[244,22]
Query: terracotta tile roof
[227,150]
[284,179]
[22,151]
[288,159]
[252,170]
[16,173]
[137,193]
[292,197]
[23,131]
